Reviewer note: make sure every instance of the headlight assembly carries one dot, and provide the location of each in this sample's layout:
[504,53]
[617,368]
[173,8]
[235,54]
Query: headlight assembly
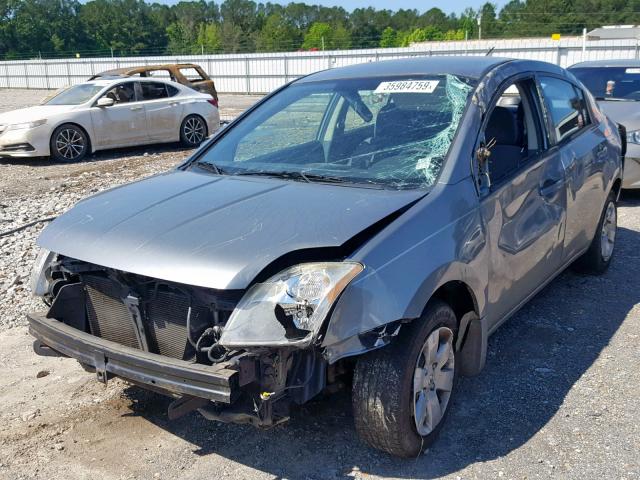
[633,137]
[290,307]
[20,126]
[39,281]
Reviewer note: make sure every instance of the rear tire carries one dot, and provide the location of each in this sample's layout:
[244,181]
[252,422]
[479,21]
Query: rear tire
[392,385]
[193,131]
[69,143]
[597,259]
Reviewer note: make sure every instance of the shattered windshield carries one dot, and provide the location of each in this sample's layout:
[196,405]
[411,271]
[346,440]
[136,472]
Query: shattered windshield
[75,95]
[389,132]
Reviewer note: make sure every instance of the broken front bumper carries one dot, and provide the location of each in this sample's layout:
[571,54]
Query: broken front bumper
[217,383]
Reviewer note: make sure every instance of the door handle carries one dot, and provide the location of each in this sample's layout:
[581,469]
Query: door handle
[133,109]
[550,187]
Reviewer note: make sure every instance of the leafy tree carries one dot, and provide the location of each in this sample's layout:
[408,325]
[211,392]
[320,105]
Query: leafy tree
[209,38]
[317,37]
[277,35]
[389,38]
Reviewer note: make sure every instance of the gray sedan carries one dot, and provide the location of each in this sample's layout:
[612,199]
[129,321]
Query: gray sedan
[365,227]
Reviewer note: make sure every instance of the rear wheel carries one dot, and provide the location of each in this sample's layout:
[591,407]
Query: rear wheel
[596,260]
[402,392]
[69,143]
[193,131]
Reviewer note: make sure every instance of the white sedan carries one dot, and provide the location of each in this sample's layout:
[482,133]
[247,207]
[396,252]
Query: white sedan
[108,113]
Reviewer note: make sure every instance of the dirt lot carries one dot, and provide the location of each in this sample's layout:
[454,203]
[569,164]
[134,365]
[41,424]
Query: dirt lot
[558,398]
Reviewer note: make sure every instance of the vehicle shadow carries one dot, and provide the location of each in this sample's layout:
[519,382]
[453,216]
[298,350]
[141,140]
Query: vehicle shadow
[102,155]
[533,362]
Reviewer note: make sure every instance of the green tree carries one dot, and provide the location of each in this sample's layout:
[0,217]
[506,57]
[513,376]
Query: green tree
[209,38]
[277,35]
[389,38]
[317,37]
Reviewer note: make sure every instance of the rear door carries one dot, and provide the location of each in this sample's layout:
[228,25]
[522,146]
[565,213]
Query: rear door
[163,110]
[122,124]
[584,150]
[525,205]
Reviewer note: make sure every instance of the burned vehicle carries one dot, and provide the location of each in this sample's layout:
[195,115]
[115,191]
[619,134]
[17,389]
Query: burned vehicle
[188,74]
[365,227]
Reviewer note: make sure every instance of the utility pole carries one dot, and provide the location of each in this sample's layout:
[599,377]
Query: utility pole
[480,25]
[322,38]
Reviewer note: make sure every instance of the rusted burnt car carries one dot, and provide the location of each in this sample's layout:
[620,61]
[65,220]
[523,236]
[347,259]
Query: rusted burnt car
[364,227]
[188,74]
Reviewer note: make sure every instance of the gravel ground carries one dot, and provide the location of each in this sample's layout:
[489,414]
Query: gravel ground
[558,398]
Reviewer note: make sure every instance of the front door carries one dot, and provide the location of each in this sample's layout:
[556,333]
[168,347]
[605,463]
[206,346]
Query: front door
[525,206]
[122,124]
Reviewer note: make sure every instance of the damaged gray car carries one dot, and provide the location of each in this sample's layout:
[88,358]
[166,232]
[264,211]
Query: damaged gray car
[365,227]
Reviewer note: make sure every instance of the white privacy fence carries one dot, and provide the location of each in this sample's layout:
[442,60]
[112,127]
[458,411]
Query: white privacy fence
[261,73]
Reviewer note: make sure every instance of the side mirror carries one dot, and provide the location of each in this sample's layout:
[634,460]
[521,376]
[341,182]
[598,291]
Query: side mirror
[105,102]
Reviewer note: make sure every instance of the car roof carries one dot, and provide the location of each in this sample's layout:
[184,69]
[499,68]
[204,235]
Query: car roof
[463,66]
[137,68]
[112,80]
[630,62]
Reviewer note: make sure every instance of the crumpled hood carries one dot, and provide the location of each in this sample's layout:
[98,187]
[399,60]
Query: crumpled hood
[213,231]
[31,114]
[624,113]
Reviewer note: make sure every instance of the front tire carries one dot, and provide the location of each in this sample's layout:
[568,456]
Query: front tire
[597,259]
[69,143]
[193,131]
[401,393]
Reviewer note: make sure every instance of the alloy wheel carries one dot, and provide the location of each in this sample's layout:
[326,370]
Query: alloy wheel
[70,143]
[608,233]
[433,380]
[194,130]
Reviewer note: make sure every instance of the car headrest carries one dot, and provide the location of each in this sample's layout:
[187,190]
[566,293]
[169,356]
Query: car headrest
[502,127]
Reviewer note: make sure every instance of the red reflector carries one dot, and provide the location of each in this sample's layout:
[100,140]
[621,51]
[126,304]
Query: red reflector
[213,102]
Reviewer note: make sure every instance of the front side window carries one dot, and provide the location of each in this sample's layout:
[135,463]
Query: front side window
[611,83]
[122,93]
[76,95]
[566,106]
[513,133]
[389,132]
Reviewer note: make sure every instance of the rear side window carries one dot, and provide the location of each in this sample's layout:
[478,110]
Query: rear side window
[566,106]
[191,74]
[153,91]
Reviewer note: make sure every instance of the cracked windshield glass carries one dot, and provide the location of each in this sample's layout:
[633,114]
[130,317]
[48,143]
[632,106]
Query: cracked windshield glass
[379,132]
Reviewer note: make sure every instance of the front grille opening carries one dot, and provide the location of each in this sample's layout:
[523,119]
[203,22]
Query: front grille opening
[161,309]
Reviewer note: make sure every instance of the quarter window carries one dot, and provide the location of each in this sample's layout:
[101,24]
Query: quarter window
[566,105]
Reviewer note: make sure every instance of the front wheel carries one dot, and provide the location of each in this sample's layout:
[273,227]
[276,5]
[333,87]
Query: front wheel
[193,131]
[69,143]
[402,392]
[596,260]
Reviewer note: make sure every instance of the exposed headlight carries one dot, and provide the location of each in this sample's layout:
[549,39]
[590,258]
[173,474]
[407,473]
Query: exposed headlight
[290,307]
[20,126]
[633,137]
[39,281]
